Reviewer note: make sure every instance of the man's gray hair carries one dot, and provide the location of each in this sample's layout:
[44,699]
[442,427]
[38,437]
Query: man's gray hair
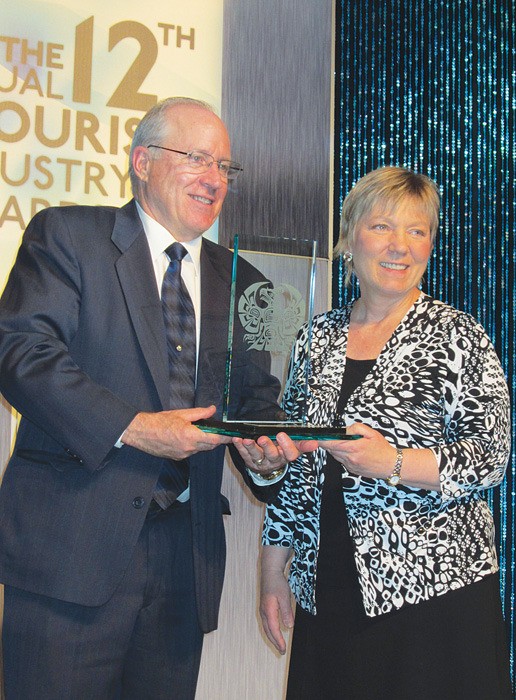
[153,126]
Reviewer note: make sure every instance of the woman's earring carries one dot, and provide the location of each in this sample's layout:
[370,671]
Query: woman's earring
[348,256]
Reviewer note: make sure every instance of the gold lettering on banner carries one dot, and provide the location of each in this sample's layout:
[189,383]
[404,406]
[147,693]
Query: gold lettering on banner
[94,172]
[37,205]
[27,52]
[50,93]
[14,80]
[53,56]
[39,165]
[40,160]
[87,126]
[166,28]
[83,61]
[24,122]
[76,134]
[48,57]
[32,81]
[179,35]
[130,128]
[65,128]
[41,171]
[114,124]
[12,210]
[68,163]
[10,43]
[127,95]
[187,37]
[123,179]
[16,215]
[9,180]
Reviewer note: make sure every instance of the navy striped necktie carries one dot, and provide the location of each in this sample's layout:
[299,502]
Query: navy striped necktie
[179,318]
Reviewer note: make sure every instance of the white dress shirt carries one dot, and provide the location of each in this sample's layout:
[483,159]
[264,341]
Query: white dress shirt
[159,239]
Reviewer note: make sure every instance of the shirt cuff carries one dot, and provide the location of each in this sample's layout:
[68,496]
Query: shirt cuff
[262,481]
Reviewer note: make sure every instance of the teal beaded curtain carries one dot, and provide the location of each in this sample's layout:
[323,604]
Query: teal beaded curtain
[430,85]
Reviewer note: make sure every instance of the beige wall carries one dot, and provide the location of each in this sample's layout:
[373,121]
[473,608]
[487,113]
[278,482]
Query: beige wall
[237,661]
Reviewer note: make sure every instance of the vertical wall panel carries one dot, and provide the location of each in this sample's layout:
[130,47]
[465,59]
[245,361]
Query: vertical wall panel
[277,88]
[277,102]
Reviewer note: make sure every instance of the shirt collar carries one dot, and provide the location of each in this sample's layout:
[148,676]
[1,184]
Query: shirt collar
[158,239]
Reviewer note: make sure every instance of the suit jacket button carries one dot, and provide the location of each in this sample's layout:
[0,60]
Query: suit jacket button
[138,502]
[73,455]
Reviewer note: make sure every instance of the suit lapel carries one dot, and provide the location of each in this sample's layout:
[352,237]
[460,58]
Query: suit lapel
[138,282]
[137,279]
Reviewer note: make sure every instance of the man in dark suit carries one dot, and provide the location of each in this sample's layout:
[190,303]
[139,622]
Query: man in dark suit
[108,593]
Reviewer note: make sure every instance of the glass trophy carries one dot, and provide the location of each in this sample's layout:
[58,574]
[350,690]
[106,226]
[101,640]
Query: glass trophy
[263,323]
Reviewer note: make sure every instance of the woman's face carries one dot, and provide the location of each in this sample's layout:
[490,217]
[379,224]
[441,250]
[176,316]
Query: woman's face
[391,248]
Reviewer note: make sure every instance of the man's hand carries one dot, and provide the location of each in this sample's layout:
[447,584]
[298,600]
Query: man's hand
[171,434]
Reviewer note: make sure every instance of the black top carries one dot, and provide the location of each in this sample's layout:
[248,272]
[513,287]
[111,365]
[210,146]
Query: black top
[334,523]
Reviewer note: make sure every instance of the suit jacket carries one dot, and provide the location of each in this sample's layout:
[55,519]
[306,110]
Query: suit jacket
[82,350]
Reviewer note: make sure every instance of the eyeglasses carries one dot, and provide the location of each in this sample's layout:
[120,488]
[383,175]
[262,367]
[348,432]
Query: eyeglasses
[200,162]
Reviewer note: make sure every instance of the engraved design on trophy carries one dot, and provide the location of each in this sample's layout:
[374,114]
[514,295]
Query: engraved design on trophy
[271,317]
[266,319]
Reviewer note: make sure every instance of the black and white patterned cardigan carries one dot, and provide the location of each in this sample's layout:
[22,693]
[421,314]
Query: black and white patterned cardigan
[436,384]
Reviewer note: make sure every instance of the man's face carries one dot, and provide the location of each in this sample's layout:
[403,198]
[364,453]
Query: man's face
[185,203]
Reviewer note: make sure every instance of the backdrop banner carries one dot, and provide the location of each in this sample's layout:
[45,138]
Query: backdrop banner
[75,79]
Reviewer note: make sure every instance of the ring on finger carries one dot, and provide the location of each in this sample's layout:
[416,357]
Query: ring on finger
[258,462]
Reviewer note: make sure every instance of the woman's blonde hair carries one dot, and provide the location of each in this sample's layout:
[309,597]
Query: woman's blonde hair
[386,186]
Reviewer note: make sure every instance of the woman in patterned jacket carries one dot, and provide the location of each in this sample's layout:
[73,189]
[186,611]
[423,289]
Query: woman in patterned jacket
[394,567]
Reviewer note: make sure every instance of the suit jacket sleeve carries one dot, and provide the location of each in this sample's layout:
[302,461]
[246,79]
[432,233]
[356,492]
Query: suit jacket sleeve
[40,312]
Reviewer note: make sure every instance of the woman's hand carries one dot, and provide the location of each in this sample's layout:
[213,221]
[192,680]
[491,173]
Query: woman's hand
[370,456]
[264,456]
[374,457]
[275,597]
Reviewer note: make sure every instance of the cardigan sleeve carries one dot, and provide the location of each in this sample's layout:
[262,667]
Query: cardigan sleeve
[476,443]
[279,520]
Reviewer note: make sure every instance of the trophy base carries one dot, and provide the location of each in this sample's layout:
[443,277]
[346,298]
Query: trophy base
[252,431]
